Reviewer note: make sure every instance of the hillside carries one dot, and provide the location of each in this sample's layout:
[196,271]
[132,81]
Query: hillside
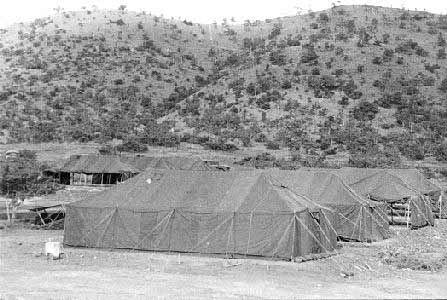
[366,81]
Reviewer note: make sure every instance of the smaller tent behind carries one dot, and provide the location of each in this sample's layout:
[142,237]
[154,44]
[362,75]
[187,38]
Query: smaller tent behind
[180,163]
[407,205]
[356,218]
[416,180]
[95,169]
[232,213]
[169,163]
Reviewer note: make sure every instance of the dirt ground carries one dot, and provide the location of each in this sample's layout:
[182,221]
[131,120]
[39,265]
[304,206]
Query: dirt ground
[97,274]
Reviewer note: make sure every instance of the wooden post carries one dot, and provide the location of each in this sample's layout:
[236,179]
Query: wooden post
[7,210]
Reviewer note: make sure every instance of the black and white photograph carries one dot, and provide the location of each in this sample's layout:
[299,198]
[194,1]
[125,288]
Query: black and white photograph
[223,149]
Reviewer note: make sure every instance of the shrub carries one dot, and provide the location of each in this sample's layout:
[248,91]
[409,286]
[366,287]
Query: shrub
[406,47]
[322,84]
[131,145]
[387,55]
[415,151]
[309,55]
[441,53]
[421,51]
[294,42]
[275,31]
[106,149]
[443,86]
[286,84]
[431,68]
[440,152]
[260,161]
[278,58]
[441,40]
[323,17]
[200,80]
[221,145]
[271,145]
[365,111]
[377,60]
[341,37]
[375,159]
[344,101]
[360,68]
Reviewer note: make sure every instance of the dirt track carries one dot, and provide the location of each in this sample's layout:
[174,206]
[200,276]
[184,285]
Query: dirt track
[94,273]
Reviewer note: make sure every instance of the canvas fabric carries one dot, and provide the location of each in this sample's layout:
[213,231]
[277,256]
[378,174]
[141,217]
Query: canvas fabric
[355,217]
[388,185]
[242,213]
[97,164]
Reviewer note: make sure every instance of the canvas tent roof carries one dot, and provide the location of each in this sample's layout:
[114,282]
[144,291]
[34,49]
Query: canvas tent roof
[201,191]
[141,162]
[408,177]
[320,186]
[131,164]
[96,164]
[383,186]
[179,163]
[391,186]
[241,213]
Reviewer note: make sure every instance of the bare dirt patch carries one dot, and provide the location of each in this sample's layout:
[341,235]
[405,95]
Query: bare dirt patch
[98,273]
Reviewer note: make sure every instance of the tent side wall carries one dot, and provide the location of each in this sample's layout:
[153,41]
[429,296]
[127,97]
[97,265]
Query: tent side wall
[421,212]
[272,235]
[360,222]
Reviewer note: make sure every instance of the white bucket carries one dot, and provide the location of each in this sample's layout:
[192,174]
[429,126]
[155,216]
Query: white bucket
[53,249]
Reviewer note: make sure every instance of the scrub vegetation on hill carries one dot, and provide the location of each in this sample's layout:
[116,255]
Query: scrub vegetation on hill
[368,82]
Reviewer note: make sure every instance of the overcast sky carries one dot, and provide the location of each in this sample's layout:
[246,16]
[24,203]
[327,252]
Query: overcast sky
[202,11]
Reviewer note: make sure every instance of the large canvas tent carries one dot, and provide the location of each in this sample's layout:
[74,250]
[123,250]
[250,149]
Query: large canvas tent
[355,218]
[233,213]
[407,202]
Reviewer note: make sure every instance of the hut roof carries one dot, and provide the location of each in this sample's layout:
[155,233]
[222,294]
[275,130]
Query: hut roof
[97,164]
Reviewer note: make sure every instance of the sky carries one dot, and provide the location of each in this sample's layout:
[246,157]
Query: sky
[199,11]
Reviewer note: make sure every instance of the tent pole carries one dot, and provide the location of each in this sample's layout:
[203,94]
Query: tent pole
[249,233]
[294,236]
[440,205]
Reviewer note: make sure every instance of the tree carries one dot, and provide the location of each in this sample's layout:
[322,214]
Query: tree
[441,53]
[122,7]
[443,86]
[22,178]
[365,111]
